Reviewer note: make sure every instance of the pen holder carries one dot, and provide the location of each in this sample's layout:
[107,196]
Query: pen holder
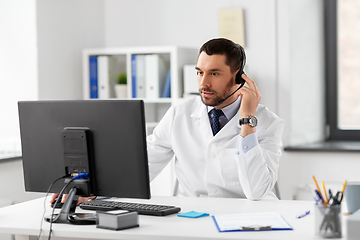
[328,221]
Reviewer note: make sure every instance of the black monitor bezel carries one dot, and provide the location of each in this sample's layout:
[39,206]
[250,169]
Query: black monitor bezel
[117,131]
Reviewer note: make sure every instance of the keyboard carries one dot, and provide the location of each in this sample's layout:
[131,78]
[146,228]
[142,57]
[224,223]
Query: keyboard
[141,208]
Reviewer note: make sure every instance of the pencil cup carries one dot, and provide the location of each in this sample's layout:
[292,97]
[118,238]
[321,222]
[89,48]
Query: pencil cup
[328,221]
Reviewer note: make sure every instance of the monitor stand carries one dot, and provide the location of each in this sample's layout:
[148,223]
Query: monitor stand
[67,213]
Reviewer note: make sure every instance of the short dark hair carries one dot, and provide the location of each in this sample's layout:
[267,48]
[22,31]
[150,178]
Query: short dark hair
[234,52]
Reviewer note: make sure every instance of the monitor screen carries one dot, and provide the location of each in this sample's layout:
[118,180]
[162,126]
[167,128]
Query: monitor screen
[116,145]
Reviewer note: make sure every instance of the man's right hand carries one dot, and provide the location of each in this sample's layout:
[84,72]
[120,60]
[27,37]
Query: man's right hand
[63,199]
[53,198]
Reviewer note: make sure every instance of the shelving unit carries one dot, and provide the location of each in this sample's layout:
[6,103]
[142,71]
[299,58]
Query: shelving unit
[175,59]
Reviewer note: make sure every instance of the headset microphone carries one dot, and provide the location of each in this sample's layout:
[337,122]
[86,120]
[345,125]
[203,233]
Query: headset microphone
[223,100]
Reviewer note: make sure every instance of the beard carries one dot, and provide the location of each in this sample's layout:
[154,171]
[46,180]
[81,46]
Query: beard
[215,97]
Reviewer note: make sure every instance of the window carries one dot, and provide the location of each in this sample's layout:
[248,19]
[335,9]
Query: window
[342,48]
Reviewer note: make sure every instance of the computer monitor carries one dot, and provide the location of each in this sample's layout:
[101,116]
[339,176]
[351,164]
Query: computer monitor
[104,138]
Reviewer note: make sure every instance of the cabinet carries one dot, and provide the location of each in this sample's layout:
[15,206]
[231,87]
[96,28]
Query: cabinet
[119,60]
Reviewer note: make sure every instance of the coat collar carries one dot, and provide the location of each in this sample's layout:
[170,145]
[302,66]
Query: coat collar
[201,114]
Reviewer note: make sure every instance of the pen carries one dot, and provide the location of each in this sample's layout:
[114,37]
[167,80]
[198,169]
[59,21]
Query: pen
[304,214]
[342,192]
[318,189]
[326,200]
[337,197]
[319,195]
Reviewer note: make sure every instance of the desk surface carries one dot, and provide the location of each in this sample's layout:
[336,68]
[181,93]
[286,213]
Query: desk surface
[24,219]
[6,156]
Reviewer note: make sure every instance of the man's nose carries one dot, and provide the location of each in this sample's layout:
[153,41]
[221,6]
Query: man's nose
[204,80]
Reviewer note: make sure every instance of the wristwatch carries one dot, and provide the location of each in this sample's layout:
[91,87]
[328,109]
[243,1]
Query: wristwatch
[251,121]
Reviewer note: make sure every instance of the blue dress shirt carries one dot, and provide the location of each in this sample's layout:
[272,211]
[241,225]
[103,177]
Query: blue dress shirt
[246,143]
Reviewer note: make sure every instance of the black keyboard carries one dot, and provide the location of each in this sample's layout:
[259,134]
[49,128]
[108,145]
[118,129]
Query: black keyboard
[141,208]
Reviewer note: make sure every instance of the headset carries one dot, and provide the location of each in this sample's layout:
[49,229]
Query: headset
[238,78]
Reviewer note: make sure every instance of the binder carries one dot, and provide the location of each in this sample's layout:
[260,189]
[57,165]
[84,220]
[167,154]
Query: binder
[190,81]
[107,70]
[103,77]
[155,77]
[140,76]
[133,75]
[167,88]
[93,77]
[250,222]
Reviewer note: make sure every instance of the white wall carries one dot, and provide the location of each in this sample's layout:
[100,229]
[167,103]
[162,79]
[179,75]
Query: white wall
[65,27]
[130,23]
[190,23]
[40,44]
[18,78]
[18,72]
[12,183]
[297,169]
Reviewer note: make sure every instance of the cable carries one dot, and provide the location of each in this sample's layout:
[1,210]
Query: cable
[79,176]
[56,202]
[47,193]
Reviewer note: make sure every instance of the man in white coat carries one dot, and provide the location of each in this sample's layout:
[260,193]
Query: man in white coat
[240,160]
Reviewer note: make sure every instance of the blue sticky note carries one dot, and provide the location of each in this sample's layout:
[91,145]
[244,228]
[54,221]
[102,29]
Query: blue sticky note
[193,214]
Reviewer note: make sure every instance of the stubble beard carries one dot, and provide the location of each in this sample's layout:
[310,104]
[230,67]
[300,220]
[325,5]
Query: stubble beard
[214,101]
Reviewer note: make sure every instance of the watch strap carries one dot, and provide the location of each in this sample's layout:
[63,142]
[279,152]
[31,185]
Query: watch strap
[244,121]
[251,121]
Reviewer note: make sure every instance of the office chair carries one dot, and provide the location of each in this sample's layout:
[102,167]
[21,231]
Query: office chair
[176,188]
[275,189]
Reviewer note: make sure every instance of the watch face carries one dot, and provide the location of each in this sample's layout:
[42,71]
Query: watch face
[253,121]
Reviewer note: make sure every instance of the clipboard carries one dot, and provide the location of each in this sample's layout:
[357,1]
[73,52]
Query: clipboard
[268,221]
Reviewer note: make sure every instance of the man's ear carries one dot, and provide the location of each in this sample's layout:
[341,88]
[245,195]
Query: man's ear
[237,76]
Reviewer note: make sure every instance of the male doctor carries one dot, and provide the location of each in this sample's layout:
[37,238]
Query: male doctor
[232,153]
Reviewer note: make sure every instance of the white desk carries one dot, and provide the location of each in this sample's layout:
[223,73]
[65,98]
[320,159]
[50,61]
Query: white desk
[23,220]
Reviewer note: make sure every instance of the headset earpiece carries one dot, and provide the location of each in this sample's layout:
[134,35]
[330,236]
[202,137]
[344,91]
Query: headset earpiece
[238,78]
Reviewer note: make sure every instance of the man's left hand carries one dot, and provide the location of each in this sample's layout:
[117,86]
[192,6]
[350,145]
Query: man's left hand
[250,98]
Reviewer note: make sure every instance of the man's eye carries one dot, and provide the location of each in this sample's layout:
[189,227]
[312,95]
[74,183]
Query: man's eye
[214,74]
[199,73]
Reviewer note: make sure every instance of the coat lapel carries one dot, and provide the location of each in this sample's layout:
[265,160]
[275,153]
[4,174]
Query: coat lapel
[201,119]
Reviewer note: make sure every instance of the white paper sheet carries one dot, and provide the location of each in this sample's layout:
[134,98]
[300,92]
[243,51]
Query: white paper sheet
[236,222]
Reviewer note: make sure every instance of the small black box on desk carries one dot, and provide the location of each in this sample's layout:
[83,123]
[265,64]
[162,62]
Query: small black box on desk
[117,219]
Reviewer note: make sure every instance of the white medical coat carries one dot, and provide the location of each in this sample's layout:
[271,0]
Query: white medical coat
[207,165]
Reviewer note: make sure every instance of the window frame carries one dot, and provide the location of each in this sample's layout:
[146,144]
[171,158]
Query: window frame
[331,77]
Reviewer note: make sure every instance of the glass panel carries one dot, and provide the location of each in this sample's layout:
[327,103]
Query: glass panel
[349,64]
